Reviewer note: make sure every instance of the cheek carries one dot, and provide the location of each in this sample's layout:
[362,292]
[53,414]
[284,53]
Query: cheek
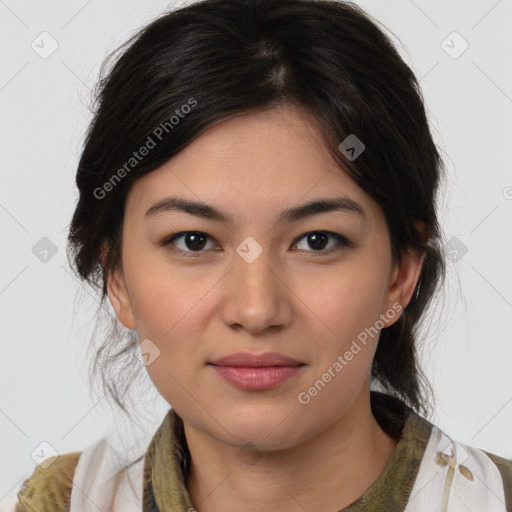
[344,302]
[166,303]
[344,309]
[164,296]
[169,311]
[163,307]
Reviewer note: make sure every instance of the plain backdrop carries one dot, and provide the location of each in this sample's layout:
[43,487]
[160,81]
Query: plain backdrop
[462,52]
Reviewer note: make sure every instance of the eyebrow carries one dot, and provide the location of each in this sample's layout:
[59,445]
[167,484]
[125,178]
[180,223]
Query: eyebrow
[293,214]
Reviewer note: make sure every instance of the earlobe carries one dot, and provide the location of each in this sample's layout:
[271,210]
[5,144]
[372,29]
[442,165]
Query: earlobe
[120,299]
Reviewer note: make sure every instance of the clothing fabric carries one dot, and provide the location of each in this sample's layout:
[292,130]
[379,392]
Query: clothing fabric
[427,472]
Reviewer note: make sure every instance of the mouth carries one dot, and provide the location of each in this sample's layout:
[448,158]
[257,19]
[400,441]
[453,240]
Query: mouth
[247,359]
[256,372]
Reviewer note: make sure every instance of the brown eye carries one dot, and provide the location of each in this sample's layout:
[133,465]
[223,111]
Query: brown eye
[318,240]
[189,242]
[194,243]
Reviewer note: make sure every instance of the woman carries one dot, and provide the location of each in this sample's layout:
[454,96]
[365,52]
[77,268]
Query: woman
[258,201]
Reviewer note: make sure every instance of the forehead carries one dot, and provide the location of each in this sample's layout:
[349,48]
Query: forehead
[267,160]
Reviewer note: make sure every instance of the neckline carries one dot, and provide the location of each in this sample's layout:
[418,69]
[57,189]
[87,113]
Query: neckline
[167,460]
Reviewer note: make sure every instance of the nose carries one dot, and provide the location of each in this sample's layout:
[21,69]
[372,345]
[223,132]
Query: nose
[256,295]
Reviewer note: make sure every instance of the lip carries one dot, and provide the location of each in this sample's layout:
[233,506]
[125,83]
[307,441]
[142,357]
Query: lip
[253,372]
[249,360]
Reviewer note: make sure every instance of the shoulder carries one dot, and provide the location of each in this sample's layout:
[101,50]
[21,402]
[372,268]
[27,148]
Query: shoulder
[464,476]
[504,466]
[49,487]
[502,463]
[72,481]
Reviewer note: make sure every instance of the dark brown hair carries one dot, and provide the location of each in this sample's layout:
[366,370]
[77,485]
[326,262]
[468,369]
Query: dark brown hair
[207,61]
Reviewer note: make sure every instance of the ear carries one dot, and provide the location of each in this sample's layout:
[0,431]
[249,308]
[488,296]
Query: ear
[402,283]
[119,297]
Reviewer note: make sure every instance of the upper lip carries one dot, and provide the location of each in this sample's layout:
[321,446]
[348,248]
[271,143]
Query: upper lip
[256,360]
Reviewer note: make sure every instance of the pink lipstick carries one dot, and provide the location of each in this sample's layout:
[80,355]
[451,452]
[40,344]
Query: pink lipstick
[256,372]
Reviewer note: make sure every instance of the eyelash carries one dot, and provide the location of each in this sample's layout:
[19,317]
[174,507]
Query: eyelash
[167,243]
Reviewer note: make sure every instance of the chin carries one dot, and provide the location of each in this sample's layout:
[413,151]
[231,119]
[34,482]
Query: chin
[259,441]
[266,431]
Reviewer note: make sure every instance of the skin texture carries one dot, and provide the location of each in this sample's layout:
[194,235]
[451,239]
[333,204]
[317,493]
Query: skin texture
[263,450]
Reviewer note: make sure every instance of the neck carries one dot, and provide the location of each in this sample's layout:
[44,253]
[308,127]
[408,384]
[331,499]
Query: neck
[328,472]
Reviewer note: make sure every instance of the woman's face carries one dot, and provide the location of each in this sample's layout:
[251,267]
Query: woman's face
[257,281]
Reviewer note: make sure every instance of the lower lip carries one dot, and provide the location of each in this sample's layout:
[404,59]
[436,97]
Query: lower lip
[259,378]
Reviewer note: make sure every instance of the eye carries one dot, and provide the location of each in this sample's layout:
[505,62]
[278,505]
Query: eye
[193,242]
[318,240]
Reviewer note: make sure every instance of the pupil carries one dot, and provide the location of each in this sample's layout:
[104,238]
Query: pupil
[314,239]
[197,241]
